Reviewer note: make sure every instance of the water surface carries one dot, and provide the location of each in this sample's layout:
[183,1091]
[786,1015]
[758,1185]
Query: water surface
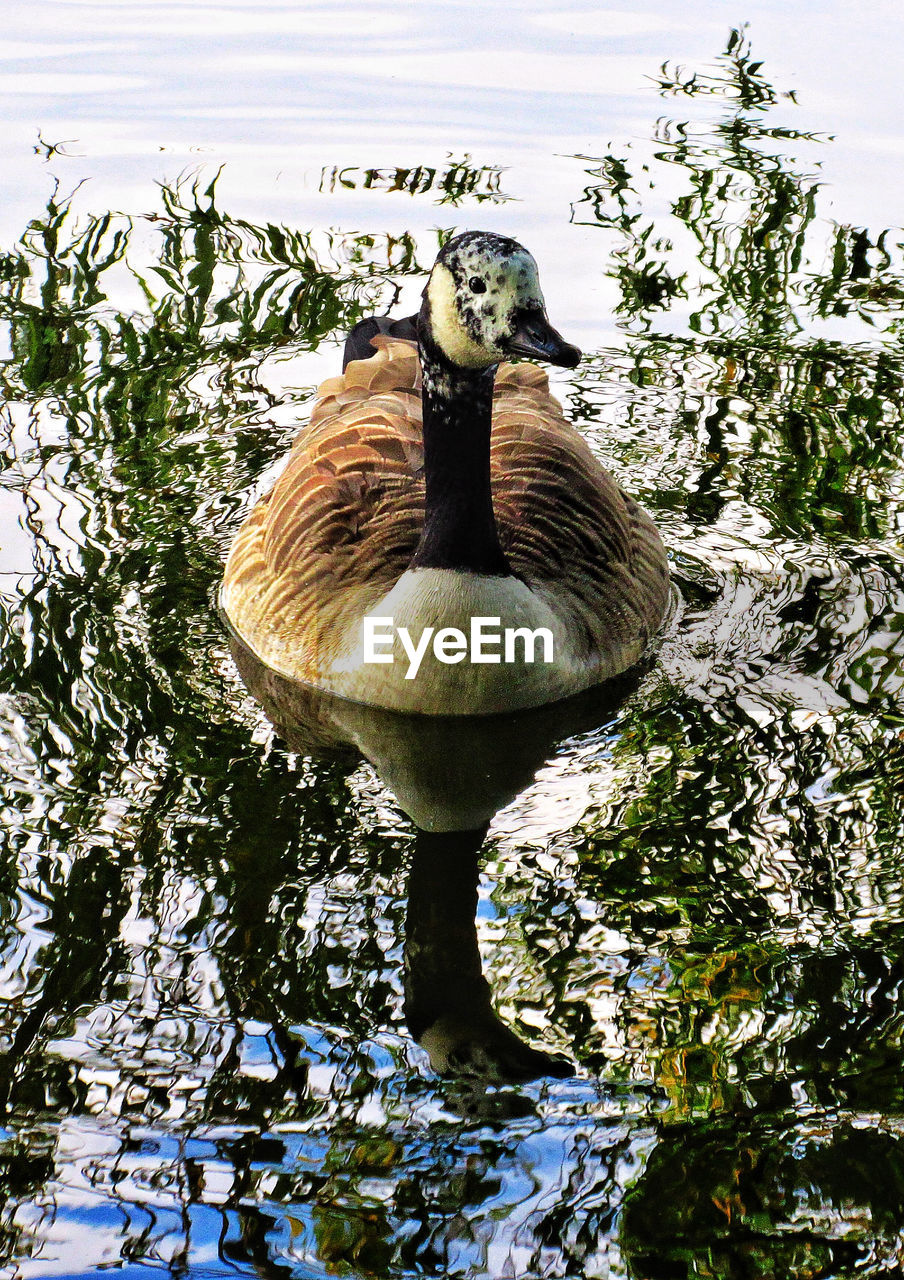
[219,941]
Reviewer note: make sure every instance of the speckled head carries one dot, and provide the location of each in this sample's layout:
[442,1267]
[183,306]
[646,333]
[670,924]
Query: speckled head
[483,304]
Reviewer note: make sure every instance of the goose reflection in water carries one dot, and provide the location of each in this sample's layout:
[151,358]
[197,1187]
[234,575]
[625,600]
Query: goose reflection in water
[450,775]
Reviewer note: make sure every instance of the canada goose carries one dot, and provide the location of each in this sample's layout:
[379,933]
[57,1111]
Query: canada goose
[437,490]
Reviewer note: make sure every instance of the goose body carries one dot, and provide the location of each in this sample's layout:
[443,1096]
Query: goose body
[437,484]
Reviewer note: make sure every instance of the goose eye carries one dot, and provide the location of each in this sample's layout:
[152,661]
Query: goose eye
[476,285]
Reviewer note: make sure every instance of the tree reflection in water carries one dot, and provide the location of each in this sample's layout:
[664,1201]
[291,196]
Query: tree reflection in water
[696,900]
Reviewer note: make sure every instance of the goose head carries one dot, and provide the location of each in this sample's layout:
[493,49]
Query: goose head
[483,304]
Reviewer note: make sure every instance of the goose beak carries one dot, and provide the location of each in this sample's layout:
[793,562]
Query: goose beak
[536,338]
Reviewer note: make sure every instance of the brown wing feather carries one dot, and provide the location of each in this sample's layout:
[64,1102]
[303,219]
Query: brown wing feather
[563,519]
[344,518]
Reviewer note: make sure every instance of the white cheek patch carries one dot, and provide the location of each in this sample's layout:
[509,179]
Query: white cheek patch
[448,330]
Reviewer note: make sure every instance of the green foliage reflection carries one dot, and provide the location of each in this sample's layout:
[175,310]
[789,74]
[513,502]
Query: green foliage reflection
[751,213]
[458,181]
[202,932]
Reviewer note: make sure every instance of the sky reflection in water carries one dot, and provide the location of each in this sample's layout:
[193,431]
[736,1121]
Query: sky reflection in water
[218,950]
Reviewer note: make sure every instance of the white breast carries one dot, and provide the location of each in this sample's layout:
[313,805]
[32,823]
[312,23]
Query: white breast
[405,655]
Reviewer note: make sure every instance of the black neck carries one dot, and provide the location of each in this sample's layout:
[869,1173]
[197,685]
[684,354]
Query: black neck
[459,525]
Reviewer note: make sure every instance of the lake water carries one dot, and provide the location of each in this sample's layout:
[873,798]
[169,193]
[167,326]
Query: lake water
[672,974]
